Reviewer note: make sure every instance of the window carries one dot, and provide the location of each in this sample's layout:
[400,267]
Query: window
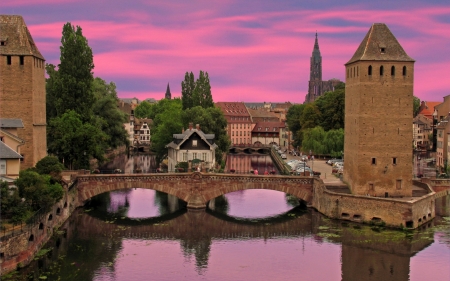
[194,155]
[374,161]
[404,71]
[21,60]
[382,50]
[398,184]
[194,143]
[204,157]
[185,157]
[2,43]
[8,60]
[369,70]
[394,161]
[393,71]
[381,70]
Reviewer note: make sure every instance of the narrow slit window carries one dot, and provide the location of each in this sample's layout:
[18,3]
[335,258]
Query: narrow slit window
[404,70]
[21,60]
[8,60]
[381,70]
[394,161]
[374,161]
[393,71]
[369,71]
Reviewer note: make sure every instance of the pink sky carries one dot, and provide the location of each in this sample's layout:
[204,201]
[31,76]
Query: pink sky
[254,51]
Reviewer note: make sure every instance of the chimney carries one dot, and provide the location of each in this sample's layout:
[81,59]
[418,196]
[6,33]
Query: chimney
[190,126]
[197,126]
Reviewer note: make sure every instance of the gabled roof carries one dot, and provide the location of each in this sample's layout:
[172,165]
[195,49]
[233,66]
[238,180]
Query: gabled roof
[17,38]
[7,152]
[179,139]
[233,109]
[380,38]
[428,108]
[262,113]
[11,123]
[14,137]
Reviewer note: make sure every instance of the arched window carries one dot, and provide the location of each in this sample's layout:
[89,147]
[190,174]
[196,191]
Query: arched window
[404,70]
[393,70]
[370,70]
[31,238]
[381,70]
[41,226]
[50,217]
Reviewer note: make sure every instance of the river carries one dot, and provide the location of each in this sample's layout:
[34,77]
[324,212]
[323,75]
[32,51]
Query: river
[139,234]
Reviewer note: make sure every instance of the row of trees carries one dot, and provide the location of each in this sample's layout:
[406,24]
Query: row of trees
[195,106]
[318,126]
[82,114]
[38,188]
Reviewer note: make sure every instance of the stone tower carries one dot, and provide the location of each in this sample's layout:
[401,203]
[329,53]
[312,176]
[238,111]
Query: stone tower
[168,94]
[378,114]
[316,87]
[22,86]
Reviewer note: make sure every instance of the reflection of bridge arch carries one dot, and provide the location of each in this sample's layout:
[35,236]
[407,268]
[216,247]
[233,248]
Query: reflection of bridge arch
[194,188]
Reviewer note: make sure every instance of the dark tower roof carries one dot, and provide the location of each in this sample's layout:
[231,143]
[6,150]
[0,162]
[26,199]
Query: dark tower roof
[316,51]
[168,94]
[380,45]
[15,37]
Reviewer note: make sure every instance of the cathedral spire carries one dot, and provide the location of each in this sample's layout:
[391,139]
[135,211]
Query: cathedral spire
[168,94]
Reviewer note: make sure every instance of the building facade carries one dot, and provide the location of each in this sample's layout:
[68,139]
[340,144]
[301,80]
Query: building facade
[10,145]
[378,137]
[239,121]
[442,132]
[316,86]
[422,130]
[22,87]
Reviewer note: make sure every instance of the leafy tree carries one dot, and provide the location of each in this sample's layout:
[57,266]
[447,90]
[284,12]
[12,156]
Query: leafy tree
[332,109]
[201,96]
[187,90]
[74,142]
[293,120]
[111,119]
[323,142]
[50,165]
[70,87]
[38,190]
[416,106]
[143,110]
[167,120]
[12,207]
[310,117]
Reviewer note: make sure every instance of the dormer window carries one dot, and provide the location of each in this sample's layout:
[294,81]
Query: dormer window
[194,143]
[2,43]
[382,50]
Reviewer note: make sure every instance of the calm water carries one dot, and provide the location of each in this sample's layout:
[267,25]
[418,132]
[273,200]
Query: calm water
[252,235]
[139,234]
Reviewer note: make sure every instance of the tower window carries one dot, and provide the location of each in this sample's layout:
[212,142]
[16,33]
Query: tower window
[381,70]
[370,70]
[2,43]
[21,60]
[404,70]
[383,50]
[374,161]
[394,161]
[8,60]
[393,70]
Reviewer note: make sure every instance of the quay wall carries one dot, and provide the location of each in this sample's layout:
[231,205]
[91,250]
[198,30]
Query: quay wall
[366,209]
[18,248]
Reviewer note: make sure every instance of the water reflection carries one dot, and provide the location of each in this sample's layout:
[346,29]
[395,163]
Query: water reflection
[243,163]
[143,163]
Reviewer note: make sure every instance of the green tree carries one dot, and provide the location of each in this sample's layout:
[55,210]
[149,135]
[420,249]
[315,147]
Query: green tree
[110,118]
[310,117]
[37,190]
[293,117]
[313,139]
[201,96]
[332,109]
[12,207]
[143,110]
[74,142]
[334,142]
[187,90]
[167,120]
[50,165]
[416,106]
[71,88]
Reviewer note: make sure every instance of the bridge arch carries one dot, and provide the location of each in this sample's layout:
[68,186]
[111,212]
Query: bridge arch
[194,188]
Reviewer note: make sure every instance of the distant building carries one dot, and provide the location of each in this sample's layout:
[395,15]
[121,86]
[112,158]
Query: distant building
[443,131]
[317,87]
[168,95]
[10,145]
[268,133]
[378,153]
[22,87]
[427,108]
[422,129]
[128,109]
[239,121]
[192,146]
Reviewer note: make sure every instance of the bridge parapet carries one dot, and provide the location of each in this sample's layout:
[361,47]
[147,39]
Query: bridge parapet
[194,188]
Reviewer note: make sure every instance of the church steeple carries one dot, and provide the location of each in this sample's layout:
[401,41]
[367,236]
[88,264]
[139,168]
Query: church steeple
[168,94]
[316,63]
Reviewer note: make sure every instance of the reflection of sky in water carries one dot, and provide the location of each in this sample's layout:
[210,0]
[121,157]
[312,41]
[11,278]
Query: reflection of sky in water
[256,203]
[258,259]
[142,202]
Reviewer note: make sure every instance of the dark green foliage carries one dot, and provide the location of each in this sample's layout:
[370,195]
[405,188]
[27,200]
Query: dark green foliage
[49,165]
[196,93]
[310,117]
[323,142]
[12,207]
[74,142]
[416,106]
[71,87]
[187,90]
[332,108]
[38,191]
[111,118]
[143,110]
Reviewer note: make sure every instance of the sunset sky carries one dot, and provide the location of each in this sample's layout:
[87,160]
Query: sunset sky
[253,50]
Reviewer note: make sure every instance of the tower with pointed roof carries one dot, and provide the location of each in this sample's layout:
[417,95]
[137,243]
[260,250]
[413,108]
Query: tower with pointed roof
[22,87]
[316,87]
[378,113]
[168,94]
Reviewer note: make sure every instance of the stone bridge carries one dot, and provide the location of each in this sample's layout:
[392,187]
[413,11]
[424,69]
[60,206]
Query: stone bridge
[197,189]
